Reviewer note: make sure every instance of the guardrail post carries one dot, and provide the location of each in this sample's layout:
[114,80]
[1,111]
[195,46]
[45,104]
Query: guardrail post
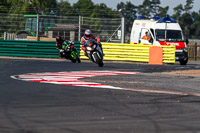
[5,35]
[195,52]
[79,29]
[37,29]
[123,30]
[122,26]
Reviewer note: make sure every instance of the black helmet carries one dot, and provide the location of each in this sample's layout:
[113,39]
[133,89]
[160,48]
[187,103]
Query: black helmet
[59,39]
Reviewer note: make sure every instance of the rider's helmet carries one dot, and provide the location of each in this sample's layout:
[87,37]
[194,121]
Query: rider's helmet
[88,33]
[59,39]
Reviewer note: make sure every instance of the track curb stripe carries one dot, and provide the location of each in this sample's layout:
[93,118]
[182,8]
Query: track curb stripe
[72,78]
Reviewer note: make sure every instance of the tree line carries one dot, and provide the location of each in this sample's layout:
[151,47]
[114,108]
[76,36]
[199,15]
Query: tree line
[188,19]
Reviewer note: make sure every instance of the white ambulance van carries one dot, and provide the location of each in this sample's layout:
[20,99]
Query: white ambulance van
[163,31]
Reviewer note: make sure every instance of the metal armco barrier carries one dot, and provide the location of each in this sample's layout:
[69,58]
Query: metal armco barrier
[133,52]
[169,54]
[22,48]
[113,51]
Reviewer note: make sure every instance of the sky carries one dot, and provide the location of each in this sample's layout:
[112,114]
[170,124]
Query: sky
[171,3]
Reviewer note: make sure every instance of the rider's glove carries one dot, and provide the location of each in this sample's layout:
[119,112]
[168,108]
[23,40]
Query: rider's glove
[83,48]
[98,40]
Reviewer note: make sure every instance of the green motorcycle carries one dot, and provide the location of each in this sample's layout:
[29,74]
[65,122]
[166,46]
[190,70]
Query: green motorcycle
[70,52]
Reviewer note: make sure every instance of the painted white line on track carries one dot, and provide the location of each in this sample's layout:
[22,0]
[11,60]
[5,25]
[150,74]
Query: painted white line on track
[163,92]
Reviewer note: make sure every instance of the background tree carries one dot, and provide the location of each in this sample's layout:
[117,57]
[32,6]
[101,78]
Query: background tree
[99,12]
[188,6]
[4,6]
[195,27]
[185,21]
[155,7]
[157,10]
[184,16]
[162,11]
[102,13]
[65,9]
[178,12]
[130,13]
[27,6]
[44,6]
[152,8]
[145,9]
[4,9]
[85,6]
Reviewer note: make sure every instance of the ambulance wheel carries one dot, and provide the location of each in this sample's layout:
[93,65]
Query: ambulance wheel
[183,62]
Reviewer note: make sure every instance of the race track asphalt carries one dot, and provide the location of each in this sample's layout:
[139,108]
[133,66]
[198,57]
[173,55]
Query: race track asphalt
[151,102]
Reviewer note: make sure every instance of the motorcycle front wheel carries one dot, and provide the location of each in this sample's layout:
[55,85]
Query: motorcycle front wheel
[98,60]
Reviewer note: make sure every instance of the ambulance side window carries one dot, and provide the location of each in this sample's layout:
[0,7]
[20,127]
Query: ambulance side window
[143,32]
[146,36]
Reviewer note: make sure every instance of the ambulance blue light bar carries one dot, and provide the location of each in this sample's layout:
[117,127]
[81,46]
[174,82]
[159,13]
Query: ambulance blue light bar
[166,20]
[156,18]
[141,17]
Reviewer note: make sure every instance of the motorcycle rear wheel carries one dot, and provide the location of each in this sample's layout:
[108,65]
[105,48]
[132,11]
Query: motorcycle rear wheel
[73,61]
[78,60]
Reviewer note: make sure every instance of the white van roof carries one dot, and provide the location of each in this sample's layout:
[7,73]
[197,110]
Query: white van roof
[162,23]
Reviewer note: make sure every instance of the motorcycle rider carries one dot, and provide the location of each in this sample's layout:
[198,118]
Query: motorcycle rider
[59,44]
[87,36]
[66,44]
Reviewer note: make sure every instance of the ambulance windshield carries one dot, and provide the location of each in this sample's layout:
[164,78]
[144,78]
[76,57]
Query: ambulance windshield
[172,35]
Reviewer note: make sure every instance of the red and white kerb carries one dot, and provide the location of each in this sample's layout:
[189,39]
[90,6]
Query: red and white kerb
[70,78]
